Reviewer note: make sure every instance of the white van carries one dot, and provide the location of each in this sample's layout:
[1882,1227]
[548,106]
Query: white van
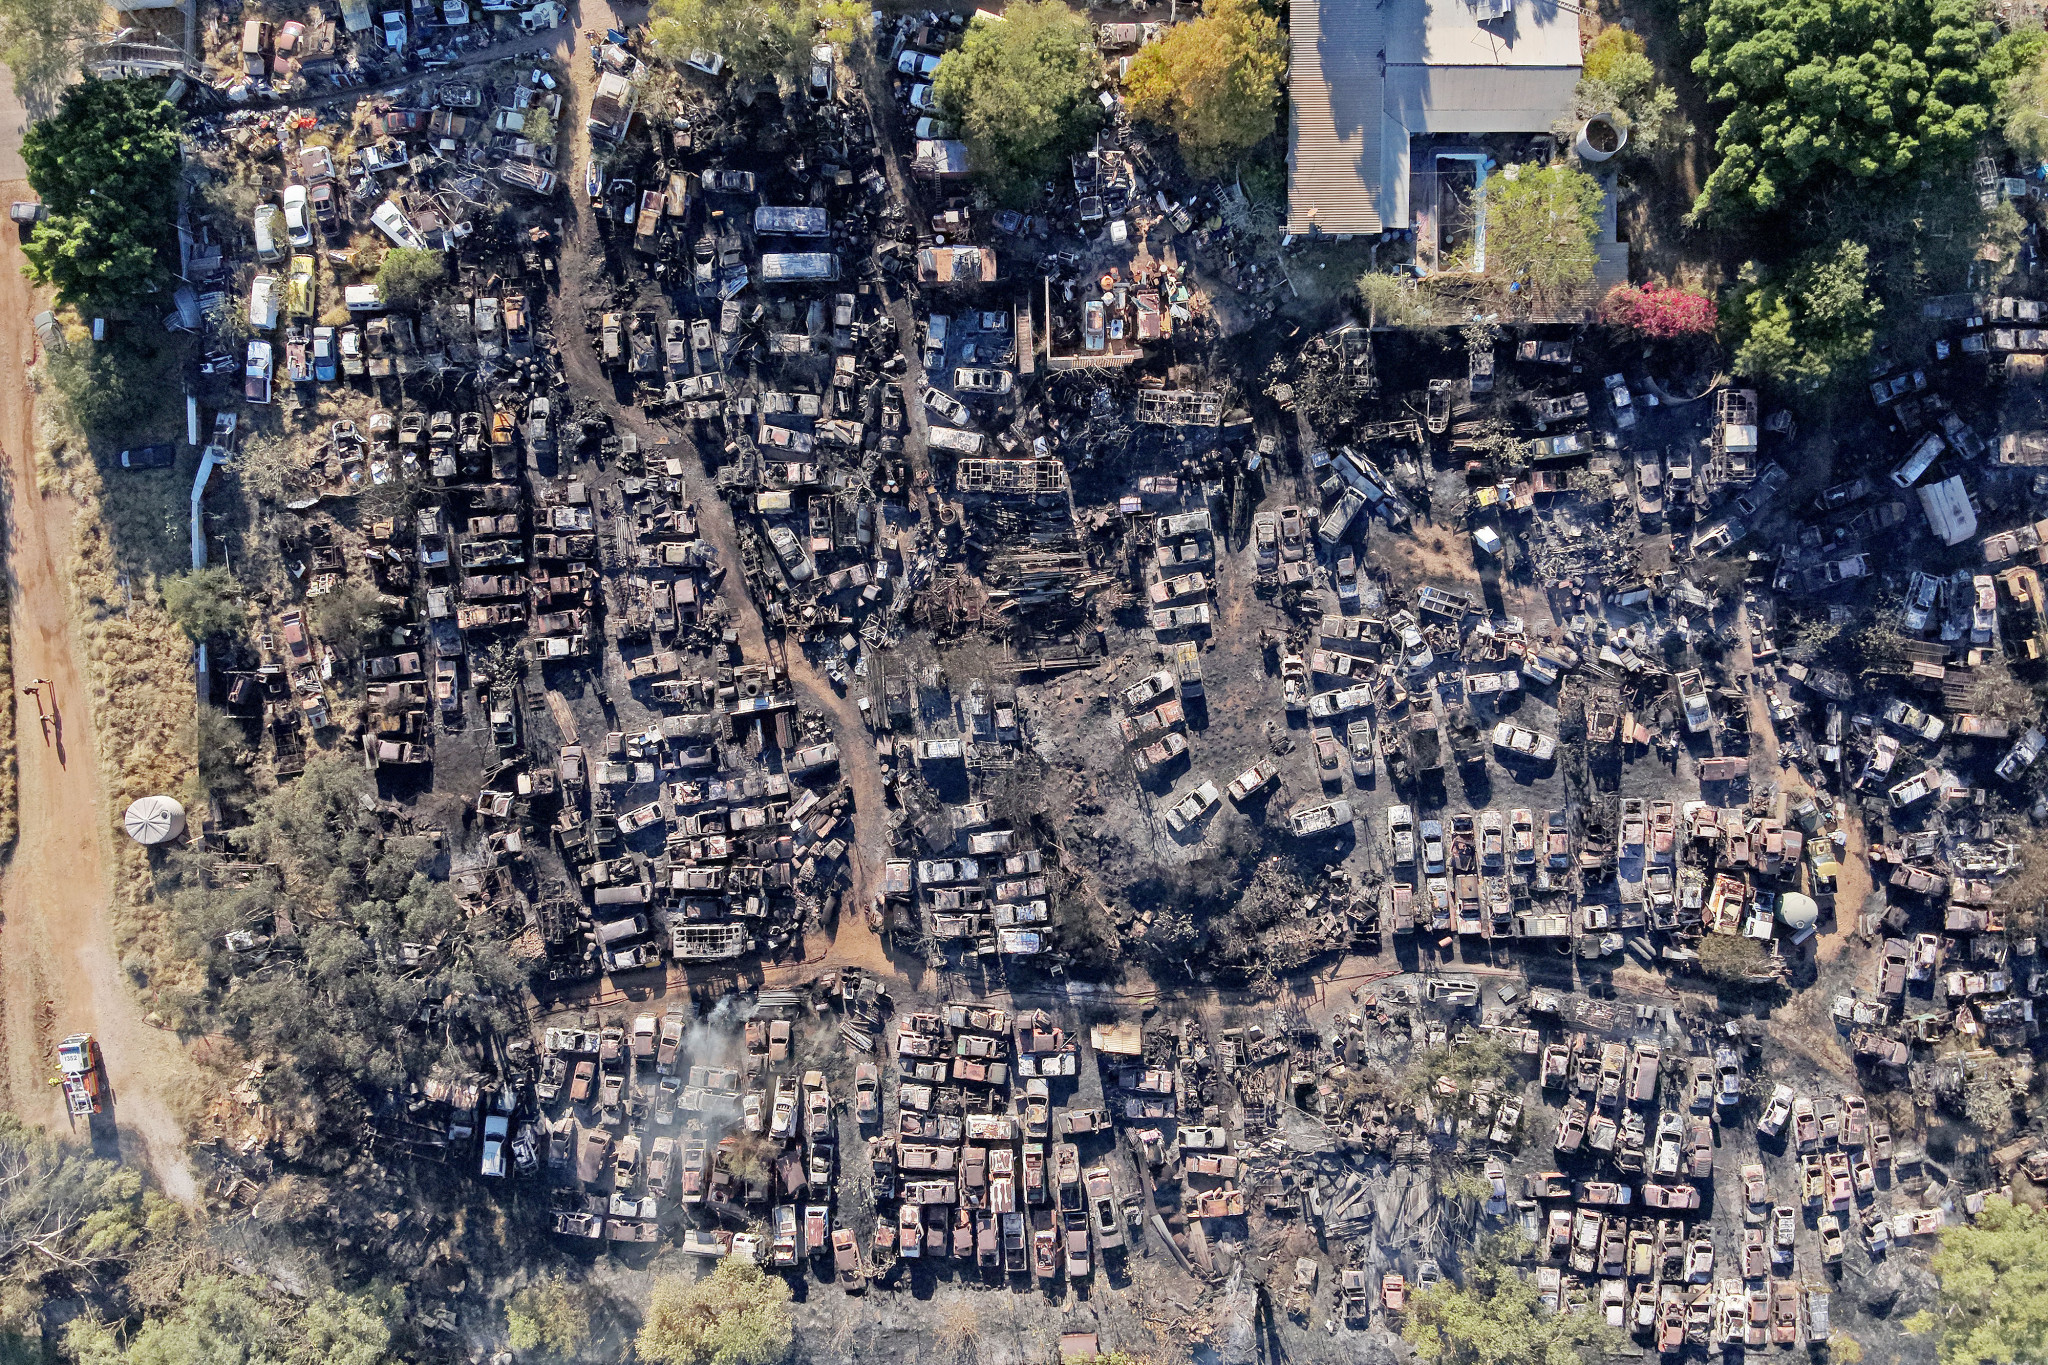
[392,222]
[265,294]
[1924,454]
[269,233]
[363,298]
[954,440]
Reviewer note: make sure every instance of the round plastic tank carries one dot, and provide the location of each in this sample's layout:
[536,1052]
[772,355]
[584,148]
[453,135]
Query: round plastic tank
[154,820]
[1797,911]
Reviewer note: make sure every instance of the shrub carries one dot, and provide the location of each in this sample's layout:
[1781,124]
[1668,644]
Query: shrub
[205,602]
[737,1315]
[1660,312]
[408,276]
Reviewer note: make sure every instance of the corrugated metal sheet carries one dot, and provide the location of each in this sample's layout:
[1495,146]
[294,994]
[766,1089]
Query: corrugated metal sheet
[1336,111]
[1350,114]
[1478,99]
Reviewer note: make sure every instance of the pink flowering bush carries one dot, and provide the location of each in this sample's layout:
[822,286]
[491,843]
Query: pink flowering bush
[1660,312]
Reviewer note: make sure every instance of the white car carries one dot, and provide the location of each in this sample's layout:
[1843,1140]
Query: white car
[922,97]
[1920,596]
[1143,691]
[394,30]
[496,1129]
[1191,807]
[1401,833]
[918,64]
[298,216]
[1528,743]
[710,63]
[946,406]
[978,379]
[929,128]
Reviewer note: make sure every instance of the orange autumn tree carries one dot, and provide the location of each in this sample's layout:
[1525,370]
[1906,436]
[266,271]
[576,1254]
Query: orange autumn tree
[1215,83]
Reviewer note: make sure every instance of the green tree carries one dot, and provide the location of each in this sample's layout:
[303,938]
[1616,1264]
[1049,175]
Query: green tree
[1540,225]
[1214,82]
[1821,91]
[341,615]
[408,276]
[843,22]
[236,1320]
[63,1207]
[205,602]
[38,39]
[539,127]
[1805,326]
[1022,93]
[359,896]
[549,1319]
[737,1315]
[1495,1318]
[1473,1059]
[2023,96]
[1992,1278]
[106,167]
[1618,79]
[221,744]
[756,37]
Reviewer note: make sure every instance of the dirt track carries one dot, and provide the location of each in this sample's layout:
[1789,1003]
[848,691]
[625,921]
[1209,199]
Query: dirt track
[59,971]
[854,942]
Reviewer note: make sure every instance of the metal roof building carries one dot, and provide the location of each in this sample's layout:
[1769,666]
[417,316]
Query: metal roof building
[1367,77]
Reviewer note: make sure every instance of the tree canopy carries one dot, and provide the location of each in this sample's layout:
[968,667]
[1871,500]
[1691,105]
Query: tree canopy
[1540,225]
[63,1207]
[37,38]
[1215,82]
[549,1319]
[1824,91]
[237,1320]
[205,602]
[408,275]
[344,1010]
[1495,1318]
[115,388]
[106,167]
[1022,93]
[736,1315]
[1993,1278]
[756,37]
[1808,324]
[2021,74]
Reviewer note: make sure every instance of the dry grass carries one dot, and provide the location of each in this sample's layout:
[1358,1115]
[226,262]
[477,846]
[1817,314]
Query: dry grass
[138,662]
[958,1333]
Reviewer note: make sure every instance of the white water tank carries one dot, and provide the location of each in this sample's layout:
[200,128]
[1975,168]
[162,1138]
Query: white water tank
[1600,137]
[154,820]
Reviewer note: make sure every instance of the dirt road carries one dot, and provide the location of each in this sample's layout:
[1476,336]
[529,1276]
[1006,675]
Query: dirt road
[854,943]
[59,972]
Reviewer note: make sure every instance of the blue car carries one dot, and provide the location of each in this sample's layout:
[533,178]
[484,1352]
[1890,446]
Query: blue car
[323,354]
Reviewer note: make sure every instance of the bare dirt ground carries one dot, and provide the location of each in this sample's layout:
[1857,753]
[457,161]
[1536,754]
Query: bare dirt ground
[58,968]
